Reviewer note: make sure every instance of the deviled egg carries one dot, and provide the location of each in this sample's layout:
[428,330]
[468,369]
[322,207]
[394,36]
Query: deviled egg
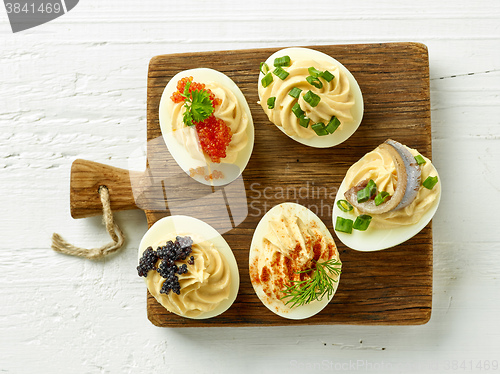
[188,267]
[207,126]
[310,96]
[386,198]
[294,264]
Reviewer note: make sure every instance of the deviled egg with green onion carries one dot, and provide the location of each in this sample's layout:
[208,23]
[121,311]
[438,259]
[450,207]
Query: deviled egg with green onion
[310,96]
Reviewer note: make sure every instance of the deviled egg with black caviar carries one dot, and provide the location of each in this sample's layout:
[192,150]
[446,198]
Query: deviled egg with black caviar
[310,96]
[188,267]
[294,264]
[207,126]
[386,198]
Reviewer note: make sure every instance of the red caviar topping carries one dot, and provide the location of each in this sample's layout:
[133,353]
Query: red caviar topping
[177,95]
[213,133]
[214,136]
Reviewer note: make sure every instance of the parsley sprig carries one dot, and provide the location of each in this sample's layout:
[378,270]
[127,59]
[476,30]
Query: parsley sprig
[320,283]
[198,105]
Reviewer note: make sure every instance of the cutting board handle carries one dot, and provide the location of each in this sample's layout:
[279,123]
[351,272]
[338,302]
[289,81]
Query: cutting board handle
[88,176]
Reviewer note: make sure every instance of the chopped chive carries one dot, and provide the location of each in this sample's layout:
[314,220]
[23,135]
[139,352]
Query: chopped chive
[311,98]
[314,81]
[344,205]
[280,73]
[297,110]
[430,182]
[381,197]
[366,193]
[295,92]
[420,160]
[264,68]
[327,76]
[314,72]
[333,125]
[344,225]
[319,128]
[282,61]
[270,102]
[304,121]
[267,80]
[362,222]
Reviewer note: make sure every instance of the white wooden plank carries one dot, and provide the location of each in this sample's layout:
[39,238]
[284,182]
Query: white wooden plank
[76,88]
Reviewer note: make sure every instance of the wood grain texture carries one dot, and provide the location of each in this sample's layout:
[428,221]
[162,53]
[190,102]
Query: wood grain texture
[88,176]
[387,287]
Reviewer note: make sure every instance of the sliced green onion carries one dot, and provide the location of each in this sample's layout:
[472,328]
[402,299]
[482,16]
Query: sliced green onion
[311,98]
[344,225]
[264,68]
[327,76]
[344,205]
[295,92]
[267,80]
[280,73]
[319,128]
[270,102]
[333,125]
[366,193]
[362,222]
[314,72]
[314,81]
[430,182]
[297,110]
[381,197]
[282,61]
[304,121]
[420,160]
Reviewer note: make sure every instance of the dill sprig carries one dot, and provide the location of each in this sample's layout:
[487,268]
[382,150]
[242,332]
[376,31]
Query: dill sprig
[316,287]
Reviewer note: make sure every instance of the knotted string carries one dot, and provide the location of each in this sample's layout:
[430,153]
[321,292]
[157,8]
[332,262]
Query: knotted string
[62,246]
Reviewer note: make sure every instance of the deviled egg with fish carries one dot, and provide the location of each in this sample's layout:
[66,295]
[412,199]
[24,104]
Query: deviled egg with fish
[386,198]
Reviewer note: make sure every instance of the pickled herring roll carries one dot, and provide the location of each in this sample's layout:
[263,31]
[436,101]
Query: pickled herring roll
[386,198]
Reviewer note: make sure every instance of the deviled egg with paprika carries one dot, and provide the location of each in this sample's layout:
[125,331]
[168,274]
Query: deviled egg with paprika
[294,264]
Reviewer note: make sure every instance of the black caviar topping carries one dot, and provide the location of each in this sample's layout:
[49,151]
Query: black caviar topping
[169,253]
[182,269]
[147,262]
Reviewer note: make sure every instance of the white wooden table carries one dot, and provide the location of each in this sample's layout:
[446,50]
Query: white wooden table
[76,88]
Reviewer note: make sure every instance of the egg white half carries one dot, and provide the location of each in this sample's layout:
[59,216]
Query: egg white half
[230,171]
[341,134]
[203,232]
[304,311]
[375,239]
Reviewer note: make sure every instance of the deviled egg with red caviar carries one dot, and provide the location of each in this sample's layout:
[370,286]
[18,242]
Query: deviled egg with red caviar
[188,267]
[386,198]
[310,96]
[294,264]
[207,126]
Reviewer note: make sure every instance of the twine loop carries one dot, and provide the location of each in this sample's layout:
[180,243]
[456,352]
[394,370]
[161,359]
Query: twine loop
[62,246]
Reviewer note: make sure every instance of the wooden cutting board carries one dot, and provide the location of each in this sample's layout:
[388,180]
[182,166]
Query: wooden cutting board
[390,287]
